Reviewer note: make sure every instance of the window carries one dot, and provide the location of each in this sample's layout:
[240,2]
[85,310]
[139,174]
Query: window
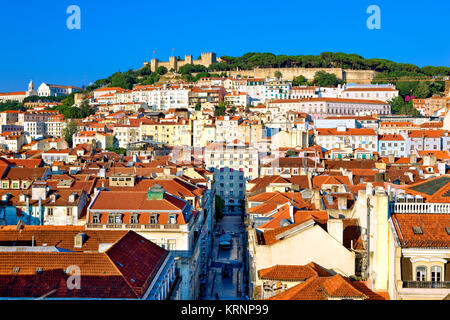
[436,272]
[134,219]
[171,244]
[96,218]
[421,273]
[118,219]
[172,219]
[153,219]
[50,211]
[69,212]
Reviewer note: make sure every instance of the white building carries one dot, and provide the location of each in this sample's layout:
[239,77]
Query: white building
[237,98]
[51,90]
[369,92]
[393,144]
[233,164]
[351,138]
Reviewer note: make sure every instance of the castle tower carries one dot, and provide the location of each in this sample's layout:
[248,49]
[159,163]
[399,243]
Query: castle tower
[208,58]
[173,63]
[188,59]
[153,65]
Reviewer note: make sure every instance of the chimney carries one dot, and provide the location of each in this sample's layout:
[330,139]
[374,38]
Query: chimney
[391,158]
[369,189]
[335,229]
[291,212]
[433,160]
[39,191]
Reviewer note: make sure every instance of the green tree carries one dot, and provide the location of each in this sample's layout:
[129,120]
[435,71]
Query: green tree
[291,153]
[220,110]
[123,80]
[399,106]
[242,208]
[69,131]
[120,151]
[299,81]
[220,208]
[325,79]
[231,110]
[278,74]
[11,105]
[422,91]
[198,107]
[86,109]
[161,70]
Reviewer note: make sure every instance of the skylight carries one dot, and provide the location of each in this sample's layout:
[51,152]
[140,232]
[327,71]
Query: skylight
[417,230]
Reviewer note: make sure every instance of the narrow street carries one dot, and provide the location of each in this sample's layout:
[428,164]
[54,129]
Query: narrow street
[227,288]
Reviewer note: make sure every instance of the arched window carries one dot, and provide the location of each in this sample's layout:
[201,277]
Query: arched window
[436,274]
[421,273]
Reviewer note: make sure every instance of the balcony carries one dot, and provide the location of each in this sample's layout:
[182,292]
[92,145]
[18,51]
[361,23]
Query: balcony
[114,225]
[427,284]
[132,226]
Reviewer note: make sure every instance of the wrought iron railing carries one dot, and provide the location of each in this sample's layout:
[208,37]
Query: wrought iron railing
[427,284]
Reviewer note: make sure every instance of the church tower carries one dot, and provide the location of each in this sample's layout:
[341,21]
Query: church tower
[31,91]
[31,86]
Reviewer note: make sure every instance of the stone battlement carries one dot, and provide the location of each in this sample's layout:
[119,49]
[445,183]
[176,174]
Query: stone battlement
[206,59]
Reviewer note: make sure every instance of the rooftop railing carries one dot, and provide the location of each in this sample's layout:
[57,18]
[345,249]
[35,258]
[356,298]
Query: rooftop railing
[414,207]
[427,284]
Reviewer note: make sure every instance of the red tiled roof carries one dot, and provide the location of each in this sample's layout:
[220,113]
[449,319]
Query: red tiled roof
[321,288]
[433,227]
[293,272]
[125,270]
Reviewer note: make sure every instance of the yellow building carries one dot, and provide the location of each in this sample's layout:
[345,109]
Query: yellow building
[172,132]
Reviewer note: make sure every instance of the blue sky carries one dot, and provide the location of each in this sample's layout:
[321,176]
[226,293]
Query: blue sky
[36,43]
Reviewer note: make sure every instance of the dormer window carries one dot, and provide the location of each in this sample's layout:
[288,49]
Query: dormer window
[96,218]
[134,218]
[115,218]
[154,218]
[172,219]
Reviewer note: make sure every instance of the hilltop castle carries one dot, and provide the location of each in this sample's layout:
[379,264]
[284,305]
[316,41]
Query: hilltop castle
[206,59]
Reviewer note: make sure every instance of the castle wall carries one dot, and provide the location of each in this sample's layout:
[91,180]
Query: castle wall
[287,73]
[206,59]
[355,76]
